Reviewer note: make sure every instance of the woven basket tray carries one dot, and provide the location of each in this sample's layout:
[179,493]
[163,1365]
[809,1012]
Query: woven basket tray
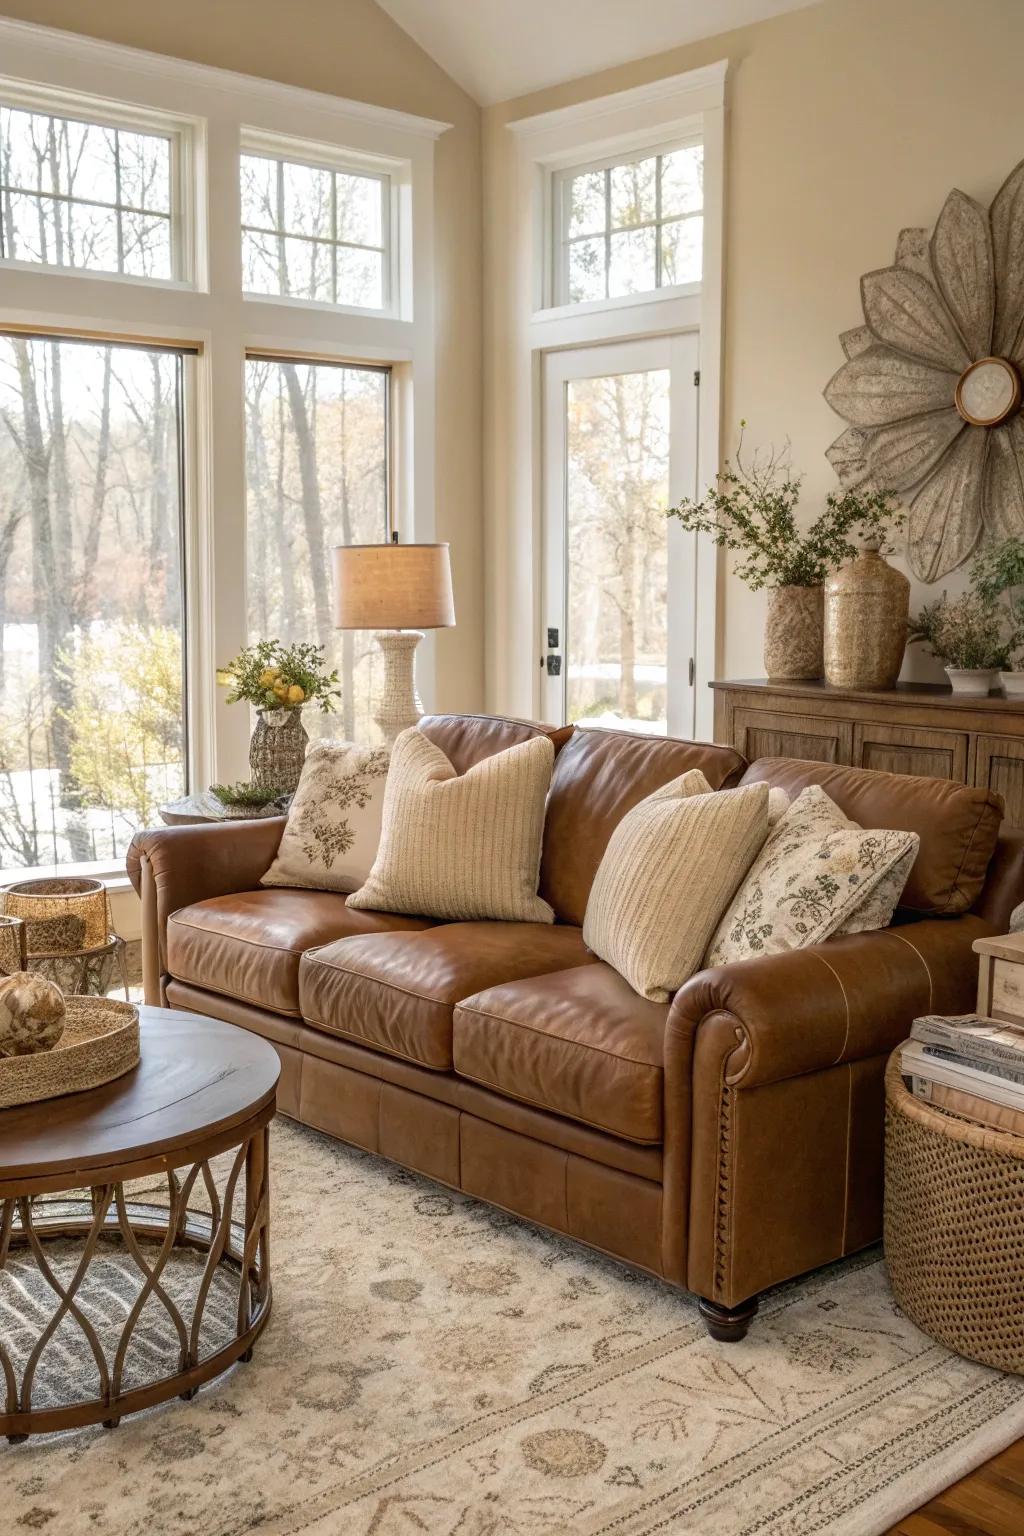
[954,1227]
[100,1042]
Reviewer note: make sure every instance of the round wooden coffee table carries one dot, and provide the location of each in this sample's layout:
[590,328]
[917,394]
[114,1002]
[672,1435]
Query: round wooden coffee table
[203,1090]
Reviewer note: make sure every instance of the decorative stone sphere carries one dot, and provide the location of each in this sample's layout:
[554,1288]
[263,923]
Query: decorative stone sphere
[31,1014]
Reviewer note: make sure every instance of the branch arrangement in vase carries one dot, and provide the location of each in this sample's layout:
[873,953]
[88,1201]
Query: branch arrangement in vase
[752,509]
[273,676]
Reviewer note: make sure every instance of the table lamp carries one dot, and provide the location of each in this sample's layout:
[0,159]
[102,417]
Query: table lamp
[397,590]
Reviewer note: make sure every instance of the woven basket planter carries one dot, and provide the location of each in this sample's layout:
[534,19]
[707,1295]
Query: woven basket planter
[278,749]
[954,1227]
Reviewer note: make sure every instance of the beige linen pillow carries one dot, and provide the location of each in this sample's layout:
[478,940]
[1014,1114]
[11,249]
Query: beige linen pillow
[330,840]
[461,847]
[818,874]
[670,869]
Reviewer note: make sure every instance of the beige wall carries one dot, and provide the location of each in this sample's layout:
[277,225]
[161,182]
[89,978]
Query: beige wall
[352,48]
[847,122]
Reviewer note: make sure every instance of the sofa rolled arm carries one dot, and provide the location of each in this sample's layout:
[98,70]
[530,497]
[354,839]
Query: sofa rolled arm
[171,867]
[780,1016]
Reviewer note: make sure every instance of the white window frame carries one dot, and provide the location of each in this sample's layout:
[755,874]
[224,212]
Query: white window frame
[213,315]
[397,302]
[680,107]
[557,290]
[185,136]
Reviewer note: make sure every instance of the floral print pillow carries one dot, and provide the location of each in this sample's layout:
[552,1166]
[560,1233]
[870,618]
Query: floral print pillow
[818,874]
[333,829]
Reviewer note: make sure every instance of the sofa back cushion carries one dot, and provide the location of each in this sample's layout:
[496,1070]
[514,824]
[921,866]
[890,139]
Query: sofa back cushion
[468,739]
[958,826]
[599,776]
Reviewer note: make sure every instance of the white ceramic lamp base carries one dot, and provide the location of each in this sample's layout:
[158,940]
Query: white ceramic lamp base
[400,704]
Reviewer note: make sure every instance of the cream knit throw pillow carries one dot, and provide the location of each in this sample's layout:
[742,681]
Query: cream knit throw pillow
[670,870]
[461,847]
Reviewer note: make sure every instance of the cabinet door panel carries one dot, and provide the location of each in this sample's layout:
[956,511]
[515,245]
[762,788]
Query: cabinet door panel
[999,765]
[771,733]
[929,753]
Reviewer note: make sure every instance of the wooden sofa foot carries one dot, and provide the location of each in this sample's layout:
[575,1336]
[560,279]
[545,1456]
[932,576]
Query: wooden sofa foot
[727,1324]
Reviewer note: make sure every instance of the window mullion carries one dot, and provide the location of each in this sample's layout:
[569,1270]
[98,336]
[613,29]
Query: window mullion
[657,223]
[118,200]
[607,232]
[334,237]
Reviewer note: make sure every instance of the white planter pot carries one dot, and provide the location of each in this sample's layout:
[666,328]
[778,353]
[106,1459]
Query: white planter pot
[1012,684]
[974,680]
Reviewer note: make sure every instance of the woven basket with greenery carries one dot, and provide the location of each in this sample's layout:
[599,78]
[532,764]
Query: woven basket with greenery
[954,1226]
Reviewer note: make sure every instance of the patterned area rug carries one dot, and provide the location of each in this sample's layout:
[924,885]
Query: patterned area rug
[435,1366]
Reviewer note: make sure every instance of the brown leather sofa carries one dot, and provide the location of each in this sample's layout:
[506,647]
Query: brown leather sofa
[725,1141]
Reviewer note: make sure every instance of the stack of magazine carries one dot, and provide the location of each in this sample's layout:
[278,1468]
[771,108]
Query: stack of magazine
[969,1066]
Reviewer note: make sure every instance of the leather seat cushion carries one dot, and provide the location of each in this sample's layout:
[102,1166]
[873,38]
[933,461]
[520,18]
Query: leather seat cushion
[580,1043]
[599,776]
[249,946]
[397,992]
[958,826]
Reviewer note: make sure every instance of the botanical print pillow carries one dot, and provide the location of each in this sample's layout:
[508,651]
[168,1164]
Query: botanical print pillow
[333,829]
[818,874]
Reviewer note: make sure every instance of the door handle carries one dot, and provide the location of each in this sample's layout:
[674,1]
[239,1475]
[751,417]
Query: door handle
[554,664]
[692,672]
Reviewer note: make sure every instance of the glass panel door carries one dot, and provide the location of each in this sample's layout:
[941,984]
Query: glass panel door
[619,623]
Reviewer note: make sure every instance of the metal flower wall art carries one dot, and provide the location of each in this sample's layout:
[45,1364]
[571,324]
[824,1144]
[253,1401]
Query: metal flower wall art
[932,382]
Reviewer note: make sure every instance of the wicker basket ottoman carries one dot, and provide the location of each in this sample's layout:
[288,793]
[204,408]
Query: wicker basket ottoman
[954,1227]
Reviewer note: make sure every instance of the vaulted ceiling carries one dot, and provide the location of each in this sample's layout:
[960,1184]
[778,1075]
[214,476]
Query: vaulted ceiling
[499,49]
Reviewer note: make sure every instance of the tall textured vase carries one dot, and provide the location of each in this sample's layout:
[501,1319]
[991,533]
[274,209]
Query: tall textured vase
[867,606]
[793,633]
[278,749]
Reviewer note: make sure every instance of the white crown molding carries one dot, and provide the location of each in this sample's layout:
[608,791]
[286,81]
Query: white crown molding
[708,81]
[76,46]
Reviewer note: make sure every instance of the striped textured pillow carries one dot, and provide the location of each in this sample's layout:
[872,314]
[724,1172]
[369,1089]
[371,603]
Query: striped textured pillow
[461,847]
[671,868]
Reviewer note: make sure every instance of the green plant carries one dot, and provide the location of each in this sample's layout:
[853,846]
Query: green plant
[124,721]
[965,632]
[275,676]
[997,574]
[752,508]
[244,793]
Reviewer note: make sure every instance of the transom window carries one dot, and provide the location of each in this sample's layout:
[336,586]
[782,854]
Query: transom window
[629,226]
[314,232]
[86,195]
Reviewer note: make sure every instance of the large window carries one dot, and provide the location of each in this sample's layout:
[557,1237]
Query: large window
[91,609]
[207,291]
[86,195]
[314,232]
[317,467]
[629,226]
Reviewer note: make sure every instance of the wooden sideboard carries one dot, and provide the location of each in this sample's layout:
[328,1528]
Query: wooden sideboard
[921,728]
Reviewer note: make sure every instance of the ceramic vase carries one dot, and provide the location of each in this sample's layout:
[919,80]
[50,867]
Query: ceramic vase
[278,749]
[793,633]
[867,608]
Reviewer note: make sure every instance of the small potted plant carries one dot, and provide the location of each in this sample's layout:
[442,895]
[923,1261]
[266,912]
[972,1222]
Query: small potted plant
[279,681]
[997,575]
[752,509]
[967,635]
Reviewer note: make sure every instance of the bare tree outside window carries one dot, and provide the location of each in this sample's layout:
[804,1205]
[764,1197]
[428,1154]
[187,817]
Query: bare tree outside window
[617,465]
[91,603]
[316,462]
[632,227]
[310,232]
[84,195]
